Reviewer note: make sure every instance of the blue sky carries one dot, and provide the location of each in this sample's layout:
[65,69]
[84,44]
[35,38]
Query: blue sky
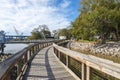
[26,15]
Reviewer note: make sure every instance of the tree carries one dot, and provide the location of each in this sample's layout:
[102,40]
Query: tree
[105,18]
[56,34]
[44,30]
[97,17]
[41,32]
[36,34]
[65,32]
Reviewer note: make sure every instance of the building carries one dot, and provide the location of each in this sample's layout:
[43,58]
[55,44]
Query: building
[62,37]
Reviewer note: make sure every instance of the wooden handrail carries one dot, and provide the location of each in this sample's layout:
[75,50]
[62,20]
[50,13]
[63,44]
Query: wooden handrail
[15,65]
[103,65]
[7,65]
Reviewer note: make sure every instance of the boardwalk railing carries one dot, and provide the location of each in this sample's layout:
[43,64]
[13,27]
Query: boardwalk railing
[29,41]
[14,67]
[87,67]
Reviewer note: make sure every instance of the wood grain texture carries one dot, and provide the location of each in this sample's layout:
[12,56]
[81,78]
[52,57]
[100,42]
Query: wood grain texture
[103,65]
[44,66]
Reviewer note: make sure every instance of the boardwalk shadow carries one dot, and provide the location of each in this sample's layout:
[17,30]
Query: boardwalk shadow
[46,64]
[48,67]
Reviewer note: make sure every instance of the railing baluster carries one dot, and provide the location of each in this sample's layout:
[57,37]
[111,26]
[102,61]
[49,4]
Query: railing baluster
[28,55]
[59,54]
[25,56]
[83,73]
[18,69]
[87,73]
[67,58]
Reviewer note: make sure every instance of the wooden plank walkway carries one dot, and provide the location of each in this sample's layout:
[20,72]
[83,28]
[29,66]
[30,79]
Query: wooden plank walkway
[44,66]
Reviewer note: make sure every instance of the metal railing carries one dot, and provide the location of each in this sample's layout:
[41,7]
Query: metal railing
[87,67]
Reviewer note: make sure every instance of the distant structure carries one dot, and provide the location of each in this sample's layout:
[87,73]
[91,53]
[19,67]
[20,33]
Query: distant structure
[16,30]
[62,37]
[18,34]
[2,41]
[2,36]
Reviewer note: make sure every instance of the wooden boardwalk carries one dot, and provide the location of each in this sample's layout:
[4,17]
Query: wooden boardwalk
[44,66]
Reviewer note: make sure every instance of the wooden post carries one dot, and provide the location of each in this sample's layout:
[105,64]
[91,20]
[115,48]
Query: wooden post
[25,57]
[30,52]
[45,44]
[88,73]
[39,46]
[35,48]
[67,60]
[18,68]
[83,73]
[59,54]
[54,50]
[28,55]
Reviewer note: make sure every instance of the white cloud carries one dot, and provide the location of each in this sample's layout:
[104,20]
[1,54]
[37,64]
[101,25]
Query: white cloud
[65,4]
[25,15]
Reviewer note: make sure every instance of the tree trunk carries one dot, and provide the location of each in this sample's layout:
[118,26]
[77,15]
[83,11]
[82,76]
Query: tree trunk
[103,38]
[117,34]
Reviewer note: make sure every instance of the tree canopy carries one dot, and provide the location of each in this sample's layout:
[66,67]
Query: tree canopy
[40,32]
[62,32]
[97,17]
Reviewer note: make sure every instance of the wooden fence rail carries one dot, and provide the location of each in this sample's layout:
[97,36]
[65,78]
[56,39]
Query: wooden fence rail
[88,67]
[15,66]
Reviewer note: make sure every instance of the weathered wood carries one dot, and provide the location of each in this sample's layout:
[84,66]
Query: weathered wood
[88,73]
[83,71]
[66,67]
[67,57]
[7,66]
[103,65]
[45,66]
[32,41]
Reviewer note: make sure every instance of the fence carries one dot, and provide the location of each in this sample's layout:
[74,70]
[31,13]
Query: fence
[88,67]
[15,66]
